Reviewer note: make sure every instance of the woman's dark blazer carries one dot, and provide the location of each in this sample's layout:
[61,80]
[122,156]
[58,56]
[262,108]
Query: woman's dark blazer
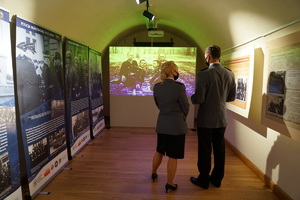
[171,100]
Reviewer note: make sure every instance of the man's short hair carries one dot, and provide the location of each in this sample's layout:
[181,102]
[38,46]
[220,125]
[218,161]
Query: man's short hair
[214,51]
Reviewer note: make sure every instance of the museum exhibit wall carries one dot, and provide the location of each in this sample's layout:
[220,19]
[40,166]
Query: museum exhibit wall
[33,120]
[272,148]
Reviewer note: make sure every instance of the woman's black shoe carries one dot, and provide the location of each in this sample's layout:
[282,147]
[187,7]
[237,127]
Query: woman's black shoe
[154,176]
[170,187]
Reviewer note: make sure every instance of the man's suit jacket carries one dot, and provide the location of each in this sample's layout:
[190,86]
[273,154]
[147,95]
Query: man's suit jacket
[215,86]
[171,100]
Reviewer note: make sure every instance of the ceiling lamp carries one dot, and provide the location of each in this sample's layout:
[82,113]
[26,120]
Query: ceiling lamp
[140,1]
[148,15]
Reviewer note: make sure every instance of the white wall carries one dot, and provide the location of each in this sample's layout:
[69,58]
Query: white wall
[135,111]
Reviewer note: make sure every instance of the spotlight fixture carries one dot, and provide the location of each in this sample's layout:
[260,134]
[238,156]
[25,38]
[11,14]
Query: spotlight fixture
[140,1]
[146,12]
[148,15]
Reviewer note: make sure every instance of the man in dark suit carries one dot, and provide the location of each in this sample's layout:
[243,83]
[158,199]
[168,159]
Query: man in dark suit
[215,85]
[128,71]
[28,78]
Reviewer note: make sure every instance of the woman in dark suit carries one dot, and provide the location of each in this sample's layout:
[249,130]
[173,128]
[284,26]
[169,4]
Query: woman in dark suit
[171,100]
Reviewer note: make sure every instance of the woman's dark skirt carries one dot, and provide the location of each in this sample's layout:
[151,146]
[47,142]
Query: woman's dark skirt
[171,145]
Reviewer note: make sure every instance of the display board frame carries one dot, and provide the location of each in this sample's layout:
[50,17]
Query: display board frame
[76,95]
[95,93]
[10,181]
[40,101]
[281,86]
[241,63]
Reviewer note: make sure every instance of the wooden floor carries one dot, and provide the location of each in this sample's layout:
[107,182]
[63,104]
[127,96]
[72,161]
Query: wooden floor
[117,166]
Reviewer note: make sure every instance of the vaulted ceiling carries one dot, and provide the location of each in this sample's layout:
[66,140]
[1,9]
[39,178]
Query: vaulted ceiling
[97,22]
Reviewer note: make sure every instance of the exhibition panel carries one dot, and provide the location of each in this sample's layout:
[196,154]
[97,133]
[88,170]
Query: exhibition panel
[10,185]
[40,101]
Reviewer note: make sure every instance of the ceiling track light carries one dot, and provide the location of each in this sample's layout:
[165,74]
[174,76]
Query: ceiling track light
[148,15]
[140,1]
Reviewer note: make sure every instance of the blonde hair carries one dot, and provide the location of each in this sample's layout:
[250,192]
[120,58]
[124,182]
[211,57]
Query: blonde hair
[166,69]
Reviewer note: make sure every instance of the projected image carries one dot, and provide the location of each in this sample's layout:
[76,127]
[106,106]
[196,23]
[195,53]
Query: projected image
[135,70]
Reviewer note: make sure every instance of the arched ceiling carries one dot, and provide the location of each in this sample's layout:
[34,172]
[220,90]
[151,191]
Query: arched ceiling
[97,22]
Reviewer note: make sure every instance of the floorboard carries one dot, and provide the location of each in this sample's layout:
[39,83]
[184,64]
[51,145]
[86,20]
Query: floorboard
[118,166]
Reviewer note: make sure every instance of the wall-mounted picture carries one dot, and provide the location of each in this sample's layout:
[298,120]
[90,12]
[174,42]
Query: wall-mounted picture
[275,105]
[241,63]
[282,83]
[276,82]
[241,89]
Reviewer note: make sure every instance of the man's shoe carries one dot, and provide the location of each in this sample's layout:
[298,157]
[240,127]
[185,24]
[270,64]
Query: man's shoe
[196,182]
[214,183]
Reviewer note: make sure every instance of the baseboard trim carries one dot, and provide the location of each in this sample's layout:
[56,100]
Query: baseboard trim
[268,182]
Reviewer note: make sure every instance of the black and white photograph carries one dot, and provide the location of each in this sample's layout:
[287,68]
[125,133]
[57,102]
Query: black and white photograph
[39,69]
[80,123]
[97,113]
[76,70]
[8,116]
[241,89]
[5,177]
[57,108]
[38,153]
[57,140]
[276,82]
[276,105]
